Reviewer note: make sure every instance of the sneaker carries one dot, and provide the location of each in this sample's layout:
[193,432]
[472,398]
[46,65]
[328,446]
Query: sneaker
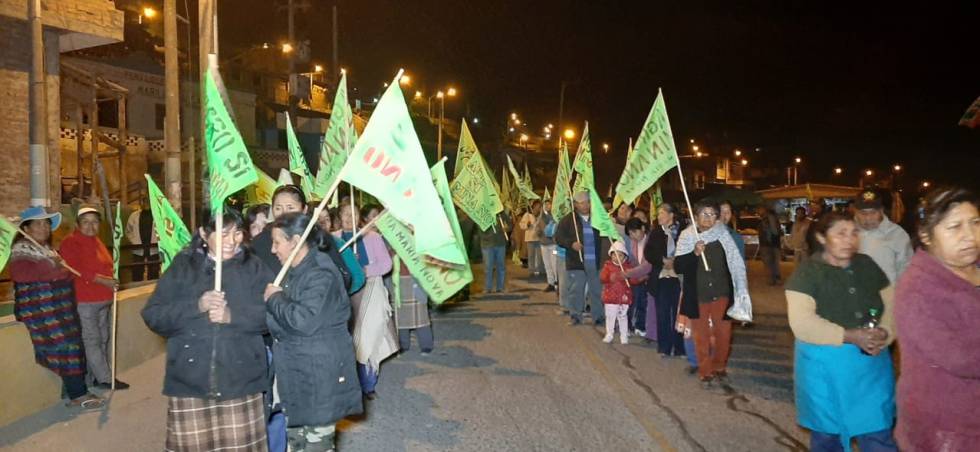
[691,370]
[550,288]
[574,321]
[426,352]
[608,339]
[639,332]
[624,339]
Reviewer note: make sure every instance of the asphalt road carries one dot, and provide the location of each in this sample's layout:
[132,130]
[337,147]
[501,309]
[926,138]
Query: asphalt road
[508,374]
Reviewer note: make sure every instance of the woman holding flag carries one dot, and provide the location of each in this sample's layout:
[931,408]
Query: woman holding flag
[374,331]
[83,251]
[313,351]
[216,360]
[44,302]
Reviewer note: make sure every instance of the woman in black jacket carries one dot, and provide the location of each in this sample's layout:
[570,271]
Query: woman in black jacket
[663,283]
[313,352]
[216,360]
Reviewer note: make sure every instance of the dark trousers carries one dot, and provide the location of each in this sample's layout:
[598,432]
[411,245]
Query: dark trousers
[882,441]
[423,335]
[637,313]
[74,386]
[669,341]
[770,257]
[151,268]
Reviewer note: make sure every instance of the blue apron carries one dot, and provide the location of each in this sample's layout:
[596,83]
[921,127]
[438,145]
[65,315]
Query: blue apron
[840,391]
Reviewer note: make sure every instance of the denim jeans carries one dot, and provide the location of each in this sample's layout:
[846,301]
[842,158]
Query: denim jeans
[493,257]
[692,357]
[423,335]
[582,284]
[638,310]
[881,441]
[534,262]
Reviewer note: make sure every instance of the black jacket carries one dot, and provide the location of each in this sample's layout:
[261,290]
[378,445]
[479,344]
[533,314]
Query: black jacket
[313,353]
[654,252]
[262,247]
[565,236]
[687,266]
[204,359]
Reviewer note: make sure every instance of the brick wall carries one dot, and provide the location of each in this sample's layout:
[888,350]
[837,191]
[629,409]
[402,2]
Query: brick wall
[15,61]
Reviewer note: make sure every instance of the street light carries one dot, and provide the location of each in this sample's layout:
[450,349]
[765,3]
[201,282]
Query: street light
[605,147]
[149,12]
[695,147]
[405,80]
[897,168]
[343,71]
[692,140]
[287,47]
[418,95]
[699,154]
[317,68]
[868,173]
[838,171]
[798,160]
[476,120]
[569,134]
[513,116]
[925,184]
[738,153]
[451,92]
[745,162]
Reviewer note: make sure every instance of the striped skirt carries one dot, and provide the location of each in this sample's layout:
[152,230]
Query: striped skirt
[199,425]
[47,309]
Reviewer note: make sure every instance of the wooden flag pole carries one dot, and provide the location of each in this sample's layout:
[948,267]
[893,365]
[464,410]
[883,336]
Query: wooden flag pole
[115,325]
[309,227]
[353,213]
[219,223]
[571,200]
[503,227]
[361,232]
[50,253]
[620,263]
[687,199]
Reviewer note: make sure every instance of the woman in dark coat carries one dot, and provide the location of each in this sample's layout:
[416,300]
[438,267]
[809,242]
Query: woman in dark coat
[216,359]
[313,353]
[663,283]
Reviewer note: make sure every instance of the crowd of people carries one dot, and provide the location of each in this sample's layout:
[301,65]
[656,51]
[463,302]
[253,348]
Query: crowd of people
[262,366]
[858,290]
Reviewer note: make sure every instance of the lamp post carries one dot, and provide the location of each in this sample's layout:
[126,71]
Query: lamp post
[451,92]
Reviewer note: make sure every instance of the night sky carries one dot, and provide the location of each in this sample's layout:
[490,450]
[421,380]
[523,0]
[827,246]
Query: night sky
[855,86]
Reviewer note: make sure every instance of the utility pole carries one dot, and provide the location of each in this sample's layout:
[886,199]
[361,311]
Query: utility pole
[293,81]
[172,179]
[39,112]
[207,18]
[336,54]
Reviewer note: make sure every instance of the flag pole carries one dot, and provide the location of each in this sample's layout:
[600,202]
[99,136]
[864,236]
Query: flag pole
[309,227]
[690,210]
[620,263]
[50,253]
[219,229]
[571,200]
[353,213]
[503,227]
[115,325]
[361,232]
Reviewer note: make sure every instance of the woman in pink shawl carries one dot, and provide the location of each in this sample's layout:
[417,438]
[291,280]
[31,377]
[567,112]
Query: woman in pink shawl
[937,308]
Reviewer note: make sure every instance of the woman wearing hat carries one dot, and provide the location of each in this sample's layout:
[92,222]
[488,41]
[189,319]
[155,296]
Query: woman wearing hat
[83,251]
[45,302]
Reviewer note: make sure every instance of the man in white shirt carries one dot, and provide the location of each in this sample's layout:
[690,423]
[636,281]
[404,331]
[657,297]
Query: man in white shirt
[885,242]
[534,263]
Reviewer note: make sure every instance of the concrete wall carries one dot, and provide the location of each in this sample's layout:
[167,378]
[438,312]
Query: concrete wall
[28,388]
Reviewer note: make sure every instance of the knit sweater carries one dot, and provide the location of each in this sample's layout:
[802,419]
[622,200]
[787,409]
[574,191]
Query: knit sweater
[939,390]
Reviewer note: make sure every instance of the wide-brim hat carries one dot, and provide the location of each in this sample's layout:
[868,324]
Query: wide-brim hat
[38,213]
[618,246]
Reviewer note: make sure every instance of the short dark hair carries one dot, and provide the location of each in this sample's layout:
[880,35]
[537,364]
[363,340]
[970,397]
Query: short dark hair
[294,223]
[634,224]
[706,204]
[254,211]
[937,205]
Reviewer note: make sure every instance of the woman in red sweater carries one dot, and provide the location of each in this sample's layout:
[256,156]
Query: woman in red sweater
[83,250]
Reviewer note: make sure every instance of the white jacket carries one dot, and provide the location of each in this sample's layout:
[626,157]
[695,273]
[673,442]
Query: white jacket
[889,246]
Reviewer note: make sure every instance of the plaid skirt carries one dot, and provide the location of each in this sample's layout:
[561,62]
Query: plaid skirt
[414,310]
[199,425]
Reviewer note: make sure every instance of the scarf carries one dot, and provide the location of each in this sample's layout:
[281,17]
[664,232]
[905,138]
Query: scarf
[742,307]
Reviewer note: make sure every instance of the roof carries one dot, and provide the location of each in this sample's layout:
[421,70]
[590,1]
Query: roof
[810,191]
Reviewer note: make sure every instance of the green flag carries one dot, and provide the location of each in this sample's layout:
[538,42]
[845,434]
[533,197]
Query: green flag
[472,190]
[396,280]
[562,203]
[439,280]
[656,199]
[467,148]
[655,154]
[170,228]
[619,199]
[338,140]
[505,192]
[522,184]
[388,163]
[547,196]
[297,163]
[117,233]
[583,163]
[600,219]
[229,165]
[261,192]
[7,234]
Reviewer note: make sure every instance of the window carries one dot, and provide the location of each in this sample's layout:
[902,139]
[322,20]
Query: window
[160,112]
[109,113]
